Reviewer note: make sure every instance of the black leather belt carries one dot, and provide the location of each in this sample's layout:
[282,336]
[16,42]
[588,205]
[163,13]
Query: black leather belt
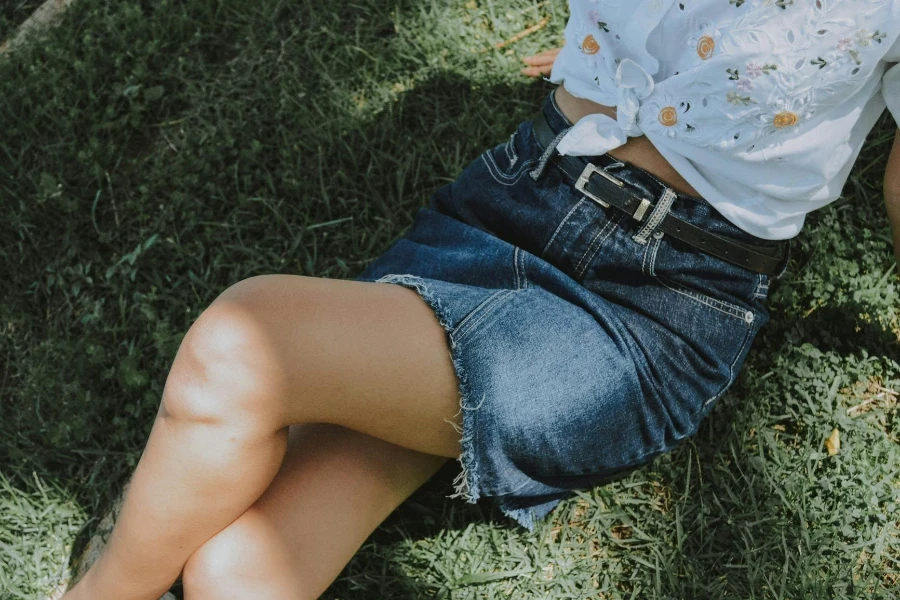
[606,190]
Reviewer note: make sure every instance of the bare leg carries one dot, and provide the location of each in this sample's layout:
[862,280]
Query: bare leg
[272,351]
[335,487]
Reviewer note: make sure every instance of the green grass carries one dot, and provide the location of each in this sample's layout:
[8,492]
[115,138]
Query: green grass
[153,153]
[13,13]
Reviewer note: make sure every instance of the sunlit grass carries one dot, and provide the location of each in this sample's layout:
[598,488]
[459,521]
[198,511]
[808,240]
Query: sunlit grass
[153,153]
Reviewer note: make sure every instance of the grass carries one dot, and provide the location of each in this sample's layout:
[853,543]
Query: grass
[153,153]
[13,13]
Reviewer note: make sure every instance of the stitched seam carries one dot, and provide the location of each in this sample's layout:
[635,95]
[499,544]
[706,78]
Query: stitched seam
[762,287]
[612,226]
[464,323]
[644,258]
[653,257]
[481,312]
[659,212]
[650,250]
[561,223]
[501,177]
[516,266]
[511,149]
[485,312]
[720,305]
[521,269]
[599,232]
[731,373]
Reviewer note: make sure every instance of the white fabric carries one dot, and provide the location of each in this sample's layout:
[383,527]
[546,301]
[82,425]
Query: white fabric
[761,105]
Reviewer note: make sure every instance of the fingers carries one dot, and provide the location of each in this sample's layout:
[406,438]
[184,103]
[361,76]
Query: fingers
[541,63]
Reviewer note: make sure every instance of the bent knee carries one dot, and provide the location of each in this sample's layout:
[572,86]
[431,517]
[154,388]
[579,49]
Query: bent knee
[247,557]
[226,366]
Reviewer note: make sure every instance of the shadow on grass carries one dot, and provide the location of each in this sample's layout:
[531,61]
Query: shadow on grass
[447,104]
[447,110]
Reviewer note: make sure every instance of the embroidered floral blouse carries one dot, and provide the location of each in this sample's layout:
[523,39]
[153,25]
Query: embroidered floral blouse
[761,105]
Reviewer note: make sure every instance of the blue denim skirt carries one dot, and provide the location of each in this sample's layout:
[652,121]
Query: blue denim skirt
[582,350]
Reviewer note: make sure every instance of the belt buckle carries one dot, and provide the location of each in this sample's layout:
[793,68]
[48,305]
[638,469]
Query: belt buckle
[585,176]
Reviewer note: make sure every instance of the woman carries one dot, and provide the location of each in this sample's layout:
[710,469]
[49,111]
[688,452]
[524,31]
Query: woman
[591,287]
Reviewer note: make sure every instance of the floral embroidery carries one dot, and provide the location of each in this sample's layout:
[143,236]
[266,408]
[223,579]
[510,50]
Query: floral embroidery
[784,62]
[594,17]
[845,46]
[590,45]
[745,84]
[668,116]
[785,119]
[672,117]
[705,47]
[864,38]
[784,112]
[703,42]
[737,99]
[754,70]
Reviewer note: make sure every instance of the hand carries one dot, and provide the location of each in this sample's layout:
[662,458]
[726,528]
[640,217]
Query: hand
[540,64]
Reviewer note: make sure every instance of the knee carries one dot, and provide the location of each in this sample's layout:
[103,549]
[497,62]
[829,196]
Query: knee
[226,367]
[247,559]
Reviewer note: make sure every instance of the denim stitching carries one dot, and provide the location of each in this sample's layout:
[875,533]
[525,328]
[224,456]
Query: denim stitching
[659,212]
[511,149]
[503,178]
[600,232]
[485,310]
[560,226]
[644,258]
[720,305]
[731,373]
[521,278]
[653,257]
[547,155]
[650,250]
[611,225]
[474,312]
[516,265]
[480,312]
[762,287]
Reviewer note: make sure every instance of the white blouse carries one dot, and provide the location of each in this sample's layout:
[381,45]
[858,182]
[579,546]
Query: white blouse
[761,105]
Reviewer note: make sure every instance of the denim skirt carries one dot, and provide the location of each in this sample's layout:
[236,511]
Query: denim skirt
[582,350]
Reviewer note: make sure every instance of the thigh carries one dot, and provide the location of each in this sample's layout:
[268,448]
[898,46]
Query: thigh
[368,356]
[333,489]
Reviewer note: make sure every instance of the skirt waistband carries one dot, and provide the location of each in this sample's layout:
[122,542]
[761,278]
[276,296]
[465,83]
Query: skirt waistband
[691,219]
[647,184]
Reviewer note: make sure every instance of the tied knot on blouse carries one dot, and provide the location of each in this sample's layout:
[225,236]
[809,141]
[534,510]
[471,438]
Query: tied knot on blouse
[598,133]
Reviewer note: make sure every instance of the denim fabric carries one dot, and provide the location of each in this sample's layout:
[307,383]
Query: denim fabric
[581,352]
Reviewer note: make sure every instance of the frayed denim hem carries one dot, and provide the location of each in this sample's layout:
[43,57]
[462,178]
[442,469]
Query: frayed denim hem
[466,484]
[528,513]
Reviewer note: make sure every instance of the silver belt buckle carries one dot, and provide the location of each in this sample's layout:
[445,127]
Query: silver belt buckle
[585,176]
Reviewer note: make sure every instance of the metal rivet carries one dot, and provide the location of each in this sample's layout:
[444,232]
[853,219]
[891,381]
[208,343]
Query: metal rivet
[748,316]
[657,234]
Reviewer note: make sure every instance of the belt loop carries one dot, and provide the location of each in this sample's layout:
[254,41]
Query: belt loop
[656,216]
[545,157]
